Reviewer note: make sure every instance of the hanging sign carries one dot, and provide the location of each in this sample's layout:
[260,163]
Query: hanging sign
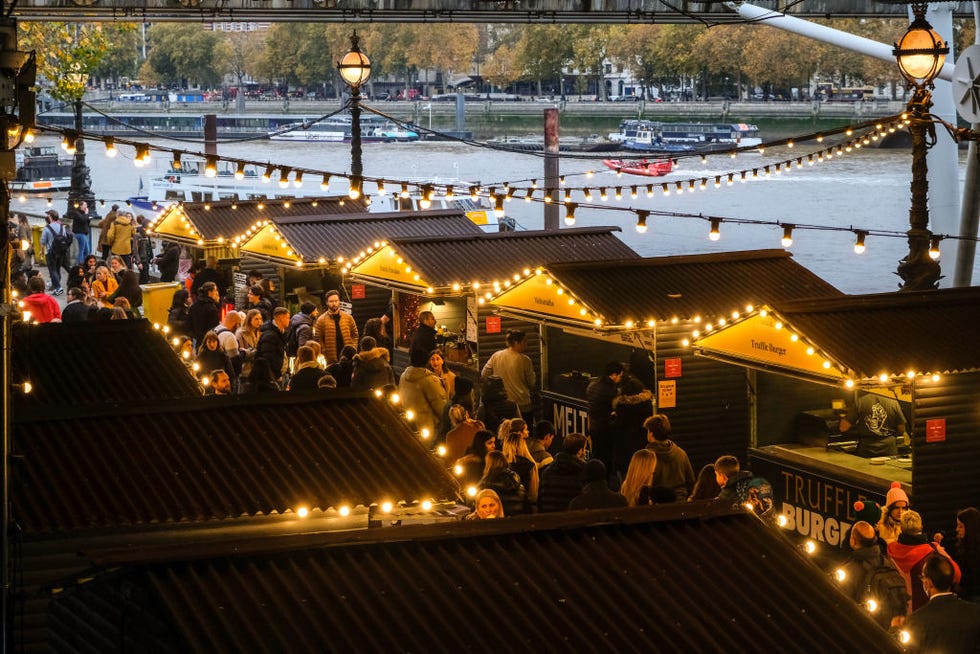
[493,324]
[936,430]
[667,394]
[357,291]
[672,367]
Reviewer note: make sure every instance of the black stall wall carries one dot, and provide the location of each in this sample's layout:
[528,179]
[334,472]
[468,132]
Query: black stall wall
[944,471]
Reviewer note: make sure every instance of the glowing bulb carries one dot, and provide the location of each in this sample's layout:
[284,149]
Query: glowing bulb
[302,512]
[240,170]
[714,234]
[787,239]
[110,147]
[471,491]
[386,507]
[344,510]
[871,604]
[810,547]
[426,505]
[859,247]
[840,574]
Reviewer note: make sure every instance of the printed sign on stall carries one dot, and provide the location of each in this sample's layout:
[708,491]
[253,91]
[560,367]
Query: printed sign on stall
[493,324]
[936,430]
[357,291]
[672,367]
[667,394]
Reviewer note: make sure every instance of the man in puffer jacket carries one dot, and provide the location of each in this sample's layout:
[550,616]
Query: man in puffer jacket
[120,237]
[562,480]
[422,392]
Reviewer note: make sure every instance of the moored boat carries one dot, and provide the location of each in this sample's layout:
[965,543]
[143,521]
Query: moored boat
[338,130]
[645,167]
[41,170]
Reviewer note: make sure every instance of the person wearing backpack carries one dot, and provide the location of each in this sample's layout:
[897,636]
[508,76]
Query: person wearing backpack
[56,240]
[300,328]
[910,552]
[868,574]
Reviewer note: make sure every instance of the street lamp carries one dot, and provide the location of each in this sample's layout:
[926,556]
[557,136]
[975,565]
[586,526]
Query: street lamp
[355,69]
[81,178]
[921,53]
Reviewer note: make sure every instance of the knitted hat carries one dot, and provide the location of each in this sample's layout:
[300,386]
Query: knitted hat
[867,511]
[896,494]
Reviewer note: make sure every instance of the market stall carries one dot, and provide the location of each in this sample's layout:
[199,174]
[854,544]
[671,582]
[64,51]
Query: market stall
[312,253]
[453,276]
[643,312]
[809,362]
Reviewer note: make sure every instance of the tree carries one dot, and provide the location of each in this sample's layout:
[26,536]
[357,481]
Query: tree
[67,54]
[721,49]
[122,55]
[180,53]
[590,45]
[241,51]
[545,52]
[502,68]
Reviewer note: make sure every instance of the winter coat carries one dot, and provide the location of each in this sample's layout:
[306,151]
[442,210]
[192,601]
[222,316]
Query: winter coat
[630,436]
[204,316]
[372,369]
[120,236]
[104,227]
[211,360]
[674,470]
[421,391]
[507,485]
[263,305]
[736,488]
[306,377]
[168,262]
[561,482]
[459,438]
[129,288]
[179,319]
[272,348]
[596,495]
[325,332]
[303,325]
[909,554]
[79,222]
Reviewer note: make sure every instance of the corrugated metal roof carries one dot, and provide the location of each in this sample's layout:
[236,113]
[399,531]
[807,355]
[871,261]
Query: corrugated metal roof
[924,331]
[488,257]
[344,236]
[706,285]
[691,578]
[99,362]
[230,218]
[215,458]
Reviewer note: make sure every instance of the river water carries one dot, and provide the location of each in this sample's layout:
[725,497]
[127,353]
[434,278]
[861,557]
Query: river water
[867,189]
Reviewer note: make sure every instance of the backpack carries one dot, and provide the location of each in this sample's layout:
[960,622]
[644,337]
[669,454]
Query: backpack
[60,242]
[886,585]
[757,492]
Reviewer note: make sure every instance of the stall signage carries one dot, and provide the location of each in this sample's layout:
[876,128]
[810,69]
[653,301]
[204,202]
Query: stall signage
[936,430]
[672,367]
[536,295]
[358,291]
[346,307]
[384,264]
[667,394]
[814,505]
[265,243]
[493,324]
[568,418]
[766,339]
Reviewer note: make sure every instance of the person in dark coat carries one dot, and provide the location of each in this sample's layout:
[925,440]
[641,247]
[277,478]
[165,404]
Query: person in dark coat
[259,378]
[302,324]
[499,477]
[371,366]
[168,262]
[633,406]
[945,623]
[129,283]
[602,421]
[178,316]
[210,356]
[81,227]
[258,300]
[343,369]
[561,481]
[674,470]
[595,491]
[204,314]
[272,342]
[206,273]
[308,371]
[76,310]
[494,405]
[423,340]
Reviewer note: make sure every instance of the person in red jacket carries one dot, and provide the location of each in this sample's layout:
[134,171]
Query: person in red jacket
[42,306]
[910,552]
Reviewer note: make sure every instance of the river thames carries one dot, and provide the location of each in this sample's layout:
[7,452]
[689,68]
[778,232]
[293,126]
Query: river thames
[867,189]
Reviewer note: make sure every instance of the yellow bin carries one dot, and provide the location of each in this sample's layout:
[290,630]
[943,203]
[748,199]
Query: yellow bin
[36,242]
[157,299]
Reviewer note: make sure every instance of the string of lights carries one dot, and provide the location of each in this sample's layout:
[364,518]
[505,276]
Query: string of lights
[533,193]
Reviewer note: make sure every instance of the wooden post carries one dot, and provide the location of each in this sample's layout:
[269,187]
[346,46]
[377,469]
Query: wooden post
[551,168]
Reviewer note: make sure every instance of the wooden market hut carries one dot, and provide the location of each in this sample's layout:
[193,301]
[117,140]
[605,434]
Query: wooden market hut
[453,276]
[806,359]
[643,311]
[310,253]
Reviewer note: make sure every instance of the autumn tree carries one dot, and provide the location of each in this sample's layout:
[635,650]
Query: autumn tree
[590,49]
[67,54]
[721,50]
[545,53]
[183,52]
[241,52]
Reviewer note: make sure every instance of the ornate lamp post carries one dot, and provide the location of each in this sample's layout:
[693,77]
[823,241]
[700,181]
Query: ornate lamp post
[81,178]
[355,69]
[921,53]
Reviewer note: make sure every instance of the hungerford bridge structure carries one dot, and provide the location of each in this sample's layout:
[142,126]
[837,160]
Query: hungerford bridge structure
[472,11]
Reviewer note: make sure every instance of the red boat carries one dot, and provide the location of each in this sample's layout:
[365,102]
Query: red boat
[655,168]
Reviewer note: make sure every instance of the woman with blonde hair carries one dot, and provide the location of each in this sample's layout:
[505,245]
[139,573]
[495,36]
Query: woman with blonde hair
[103,286]
[639,476]
[519,456]
[498,476]
[248,334]
[487,506]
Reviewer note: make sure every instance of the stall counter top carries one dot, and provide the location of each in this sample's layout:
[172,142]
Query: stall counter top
[836,463]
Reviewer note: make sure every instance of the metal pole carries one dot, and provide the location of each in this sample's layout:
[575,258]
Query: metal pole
[918,270]
[970,210]
[210,134]
[551,168]
[81,178]
[356,168]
